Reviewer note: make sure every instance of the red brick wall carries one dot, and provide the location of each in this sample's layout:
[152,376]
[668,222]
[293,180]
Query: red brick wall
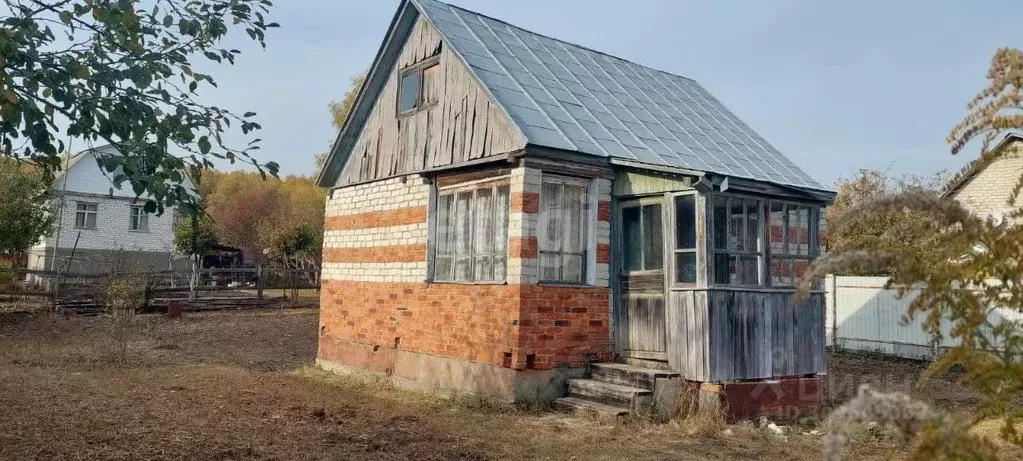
[477,323]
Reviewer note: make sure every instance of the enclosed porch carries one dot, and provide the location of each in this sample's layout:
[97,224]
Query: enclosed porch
[704,273]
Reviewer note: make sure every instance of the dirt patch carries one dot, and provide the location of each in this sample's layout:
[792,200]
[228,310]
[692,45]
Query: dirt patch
[238,385]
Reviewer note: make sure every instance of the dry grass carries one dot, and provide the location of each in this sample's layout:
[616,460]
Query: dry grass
[239,385]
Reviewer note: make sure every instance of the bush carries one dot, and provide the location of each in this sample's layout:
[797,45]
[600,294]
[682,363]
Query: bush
[126,295]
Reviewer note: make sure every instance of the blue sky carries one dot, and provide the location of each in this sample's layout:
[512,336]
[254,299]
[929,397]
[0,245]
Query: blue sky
[836,86]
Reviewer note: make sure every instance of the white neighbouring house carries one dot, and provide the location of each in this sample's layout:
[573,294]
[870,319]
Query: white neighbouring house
[984,186]
[108,223]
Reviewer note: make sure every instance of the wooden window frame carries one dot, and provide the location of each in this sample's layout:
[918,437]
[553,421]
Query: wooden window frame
[813,236]
[587,230]
[418,68]
[761,253]
[85,221]
[139,212]
[676,251]
[641,203]
[472,187]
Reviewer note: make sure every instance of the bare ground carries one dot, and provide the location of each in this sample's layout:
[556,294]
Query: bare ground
[239,385]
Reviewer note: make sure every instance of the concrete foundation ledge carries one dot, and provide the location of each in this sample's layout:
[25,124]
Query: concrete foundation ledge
[448,376]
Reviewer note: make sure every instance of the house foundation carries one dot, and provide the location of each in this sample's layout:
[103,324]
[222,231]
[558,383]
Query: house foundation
[784,400]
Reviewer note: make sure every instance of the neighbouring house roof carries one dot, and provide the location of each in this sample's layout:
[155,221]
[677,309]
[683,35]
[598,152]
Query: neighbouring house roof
[972,169]
[570,98]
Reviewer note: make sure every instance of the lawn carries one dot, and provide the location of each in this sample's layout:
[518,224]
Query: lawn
[240,385]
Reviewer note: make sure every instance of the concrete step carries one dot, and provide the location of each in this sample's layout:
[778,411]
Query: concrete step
[589,407]
[628,375]
[631,398]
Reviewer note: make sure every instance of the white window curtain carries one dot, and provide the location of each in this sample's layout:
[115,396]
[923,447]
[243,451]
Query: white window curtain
[472,235]
[564,229]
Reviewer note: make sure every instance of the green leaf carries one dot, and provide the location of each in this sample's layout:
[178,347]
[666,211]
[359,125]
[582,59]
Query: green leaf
[204,145]
[168,21]
[65,17]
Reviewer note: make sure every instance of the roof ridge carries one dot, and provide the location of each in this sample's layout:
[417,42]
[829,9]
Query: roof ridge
[565,41]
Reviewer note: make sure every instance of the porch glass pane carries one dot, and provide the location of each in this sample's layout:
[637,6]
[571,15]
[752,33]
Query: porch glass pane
[653,238]
[722,268]
[777,231]
[632,239]
[685,267]
[720,223]
[685,222]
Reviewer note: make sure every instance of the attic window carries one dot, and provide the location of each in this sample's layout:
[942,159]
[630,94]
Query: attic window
[419,87]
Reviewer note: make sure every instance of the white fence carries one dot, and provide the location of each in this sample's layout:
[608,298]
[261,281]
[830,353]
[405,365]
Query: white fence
[863,315]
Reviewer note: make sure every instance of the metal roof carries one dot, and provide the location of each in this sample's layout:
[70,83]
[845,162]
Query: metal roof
[565,96]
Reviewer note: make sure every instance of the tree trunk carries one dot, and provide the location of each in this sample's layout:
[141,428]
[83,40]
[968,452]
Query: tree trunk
[193,284]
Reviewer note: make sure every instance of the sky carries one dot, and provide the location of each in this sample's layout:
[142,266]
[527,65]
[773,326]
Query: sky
[835,86]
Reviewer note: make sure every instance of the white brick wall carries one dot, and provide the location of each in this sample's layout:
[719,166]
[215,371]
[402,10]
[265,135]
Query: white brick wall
[390,194]
[383,195]
[113,219]
[989,191]
[376,272]
[379,236]
[414,192]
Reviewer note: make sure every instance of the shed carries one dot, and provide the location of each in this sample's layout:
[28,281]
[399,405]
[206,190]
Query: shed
[514,215]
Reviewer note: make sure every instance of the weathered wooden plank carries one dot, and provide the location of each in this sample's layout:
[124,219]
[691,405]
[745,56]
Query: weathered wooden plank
[763,334]
[676,339]
[441,135]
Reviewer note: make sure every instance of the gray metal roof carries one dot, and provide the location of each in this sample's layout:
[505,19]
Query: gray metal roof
[565,96]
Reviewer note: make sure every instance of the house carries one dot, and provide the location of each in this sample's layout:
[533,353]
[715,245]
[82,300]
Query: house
[517,216]
[103,226]
[984,186]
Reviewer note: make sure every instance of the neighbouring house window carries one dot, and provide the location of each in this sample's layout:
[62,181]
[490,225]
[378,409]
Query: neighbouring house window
[685,239]
[737,245]
[85,215]
[643,243]
[139,219]
[790,242]
[563,230]
[419,87]
[472,235]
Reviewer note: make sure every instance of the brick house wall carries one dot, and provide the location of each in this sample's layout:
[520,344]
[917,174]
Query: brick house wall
[989,190]
[377,299]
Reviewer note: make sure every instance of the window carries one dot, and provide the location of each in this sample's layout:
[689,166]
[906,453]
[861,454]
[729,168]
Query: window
[472,235]
[563,230]
[419,87]
[408,98]
[685,239]
[790,240]
[643,242]
[85,215]
[139,219]
[737,245]
[431,85]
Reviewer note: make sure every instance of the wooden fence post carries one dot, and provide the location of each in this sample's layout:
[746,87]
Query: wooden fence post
[259,282]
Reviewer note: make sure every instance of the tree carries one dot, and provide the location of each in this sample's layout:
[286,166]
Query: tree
[290,244]
[979,271]
[249,212]
[26,207]
[899,224]
[195,239]
[339,111]
[121,72]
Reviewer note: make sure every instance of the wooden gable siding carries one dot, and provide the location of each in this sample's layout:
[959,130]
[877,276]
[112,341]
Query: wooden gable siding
[465,125]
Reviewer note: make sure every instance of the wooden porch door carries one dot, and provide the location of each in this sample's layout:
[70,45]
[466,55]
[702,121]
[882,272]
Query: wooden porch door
[641,279]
